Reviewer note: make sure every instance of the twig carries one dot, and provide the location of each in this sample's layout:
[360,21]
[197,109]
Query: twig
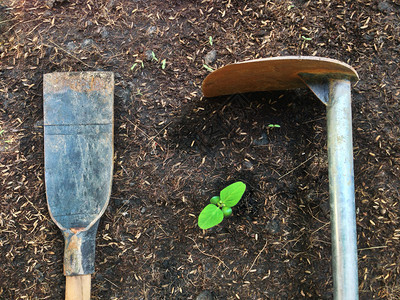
[297,167]
[254,261]
[158,133]
[69,53]
[206,254]
[5,21]
[370,248]
[111,282]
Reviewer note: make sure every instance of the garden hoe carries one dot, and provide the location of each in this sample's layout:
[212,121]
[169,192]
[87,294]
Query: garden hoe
[78,146]
[330,81]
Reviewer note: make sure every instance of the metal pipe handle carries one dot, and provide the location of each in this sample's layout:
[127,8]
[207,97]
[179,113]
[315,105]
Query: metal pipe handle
[341,190]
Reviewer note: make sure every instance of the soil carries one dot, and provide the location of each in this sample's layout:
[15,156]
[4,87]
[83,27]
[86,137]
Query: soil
[174,149]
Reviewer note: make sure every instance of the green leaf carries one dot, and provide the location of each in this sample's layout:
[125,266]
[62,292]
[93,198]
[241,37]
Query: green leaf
[274,126]
[232,194]
[210,216]
[133,66]
[153,55]
[208,68]
[210,40]
[306,38]
[163,63]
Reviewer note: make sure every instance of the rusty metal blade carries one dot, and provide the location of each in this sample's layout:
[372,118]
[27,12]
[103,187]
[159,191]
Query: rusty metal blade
[78,143]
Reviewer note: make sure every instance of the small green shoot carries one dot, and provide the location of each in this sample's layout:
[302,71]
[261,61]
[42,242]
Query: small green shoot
[163,64]
[210,40]
[133,66]
[290,7]
[274,126]
[209,69]
[306,38]
[1,132]
[153,56]
[221,206]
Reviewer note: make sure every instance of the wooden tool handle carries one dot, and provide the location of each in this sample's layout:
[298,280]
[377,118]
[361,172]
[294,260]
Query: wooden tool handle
[77,287]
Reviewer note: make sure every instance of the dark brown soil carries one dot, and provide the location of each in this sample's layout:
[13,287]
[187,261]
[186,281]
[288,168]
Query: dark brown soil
[174,149]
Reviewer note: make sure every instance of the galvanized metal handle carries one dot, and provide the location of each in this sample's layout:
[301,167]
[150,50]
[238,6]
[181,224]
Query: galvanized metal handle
[341,190]
[335,93]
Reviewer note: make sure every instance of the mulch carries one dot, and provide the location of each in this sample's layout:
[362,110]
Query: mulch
[174,149]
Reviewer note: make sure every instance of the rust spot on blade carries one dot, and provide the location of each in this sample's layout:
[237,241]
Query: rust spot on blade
[73,253]
[79,81]
[77,229]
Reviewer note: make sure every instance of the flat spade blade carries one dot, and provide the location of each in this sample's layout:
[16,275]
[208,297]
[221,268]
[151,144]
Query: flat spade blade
[78,145]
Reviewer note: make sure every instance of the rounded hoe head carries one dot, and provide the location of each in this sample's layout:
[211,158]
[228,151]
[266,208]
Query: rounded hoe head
[276,73]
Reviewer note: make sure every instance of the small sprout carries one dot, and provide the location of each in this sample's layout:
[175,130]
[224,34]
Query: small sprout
[210,40]
[227,211]
[221,206]
[274,126]
[208,68]
[215,200]
[138,92]
[133,66]
[306,38]
[163,64]
[153,56]
[142,64]
[1,132]
[290,6]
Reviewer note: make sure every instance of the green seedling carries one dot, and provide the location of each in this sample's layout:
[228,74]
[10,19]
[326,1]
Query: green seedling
[210,40]
[274,126]
[221,206]
[306,38]
[209,69]
[133,66]
[153,56]
[163,64]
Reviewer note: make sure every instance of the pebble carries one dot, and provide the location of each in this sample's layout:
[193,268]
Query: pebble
[385,7]
[38,124]
[149,55]
[325,207]
[273,227]
[87,42]
[210,57]
[111,4]
[205,295]
[151,30]
[71,46]
[104,33]
[248,165]
[262,141]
